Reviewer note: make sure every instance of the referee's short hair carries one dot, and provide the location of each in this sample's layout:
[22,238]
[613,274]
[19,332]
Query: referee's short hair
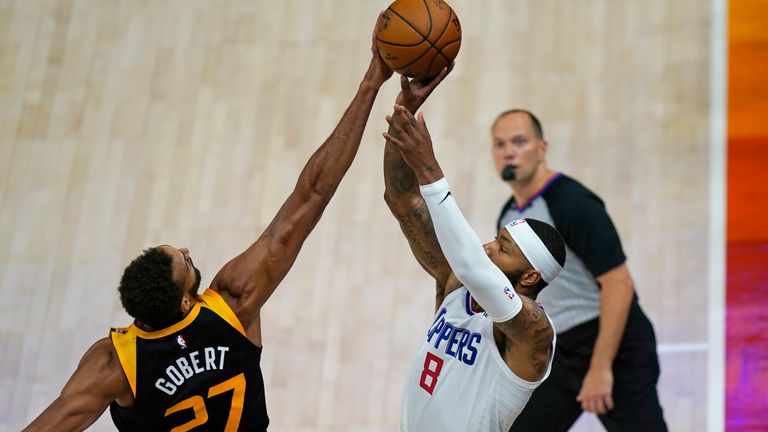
[538,130]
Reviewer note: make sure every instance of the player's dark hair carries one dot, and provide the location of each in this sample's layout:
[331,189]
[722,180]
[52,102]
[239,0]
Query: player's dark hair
[147,290]
[554,243]
[537,129]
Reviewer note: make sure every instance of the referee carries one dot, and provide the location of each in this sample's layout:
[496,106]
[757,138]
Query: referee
[605,359]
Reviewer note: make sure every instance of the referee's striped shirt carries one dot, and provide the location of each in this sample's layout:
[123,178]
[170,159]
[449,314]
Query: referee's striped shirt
[592,247]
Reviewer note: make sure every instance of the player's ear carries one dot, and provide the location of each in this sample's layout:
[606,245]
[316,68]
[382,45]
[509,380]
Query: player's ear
[530,278]
[186,304]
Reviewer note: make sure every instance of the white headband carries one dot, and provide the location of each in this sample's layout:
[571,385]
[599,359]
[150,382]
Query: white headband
[534,249]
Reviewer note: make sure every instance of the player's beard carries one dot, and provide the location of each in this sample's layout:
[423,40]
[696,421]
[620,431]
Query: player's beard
[196,286]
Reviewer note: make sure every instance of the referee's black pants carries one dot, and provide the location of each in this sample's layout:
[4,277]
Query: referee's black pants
[553,406]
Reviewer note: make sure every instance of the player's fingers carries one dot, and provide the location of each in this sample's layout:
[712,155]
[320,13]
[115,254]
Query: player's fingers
[411,119]
[378,23]
[405,116]
[421,122]
[374,32]
[397,143]
[439,78]
[405,84]
[395,122]
[400,117]
[398,114]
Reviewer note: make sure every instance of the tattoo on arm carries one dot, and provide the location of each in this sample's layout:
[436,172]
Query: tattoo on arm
[542,344]
[429,169]
[418,229]
[405,201]
[399,176]
[531,328]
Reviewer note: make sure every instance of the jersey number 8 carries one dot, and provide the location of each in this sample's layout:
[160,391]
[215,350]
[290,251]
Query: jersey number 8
[430,372]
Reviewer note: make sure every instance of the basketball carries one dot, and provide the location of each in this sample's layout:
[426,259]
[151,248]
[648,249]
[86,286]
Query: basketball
[418,38]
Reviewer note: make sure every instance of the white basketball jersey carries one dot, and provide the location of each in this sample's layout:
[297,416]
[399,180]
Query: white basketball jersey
[459,381]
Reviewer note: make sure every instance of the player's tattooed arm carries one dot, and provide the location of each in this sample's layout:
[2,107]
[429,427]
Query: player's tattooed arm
[531,328]
[404,200]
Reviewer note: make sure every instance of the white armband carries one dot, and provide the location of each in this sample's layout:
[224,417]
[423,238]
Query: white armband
[462,248]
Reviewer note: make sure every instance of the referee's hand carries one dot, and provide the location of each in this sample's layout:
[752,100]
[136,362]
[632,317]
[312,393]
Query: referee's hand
[595,395]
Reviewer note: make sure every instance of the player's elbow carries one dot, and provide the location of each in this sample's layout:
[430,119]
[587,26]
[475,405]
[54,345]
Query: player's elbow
[401,204]
[316,188]
[390,199]
[315,184]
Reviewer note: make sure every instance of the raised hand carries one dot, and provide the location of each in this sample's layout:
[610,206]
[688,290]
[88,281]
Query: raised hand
[410,137]
[378,71]
[414,93]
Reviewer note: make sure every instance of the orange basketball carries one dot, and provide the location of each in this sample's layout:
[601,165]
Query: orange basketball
[418,38]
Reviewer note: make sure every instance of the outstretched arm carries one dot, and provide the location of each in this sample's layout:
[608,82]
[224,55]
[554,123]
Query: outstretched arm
[249,280]
[402,190]
[461,246]
[97,382]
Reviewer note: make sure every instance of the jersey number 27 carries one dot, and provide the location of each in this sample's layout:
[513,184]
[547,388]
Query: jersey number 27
[197,404]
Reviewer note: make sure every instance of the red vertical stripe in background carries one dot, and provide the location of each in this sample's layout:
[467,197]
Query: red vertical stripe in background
[747,230]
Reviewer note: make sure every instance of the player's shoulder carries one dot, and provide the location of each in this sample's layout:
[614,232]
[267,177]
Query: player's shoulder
[536,313]
[537,323]
[102,353]
[100,371]
[102,363]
